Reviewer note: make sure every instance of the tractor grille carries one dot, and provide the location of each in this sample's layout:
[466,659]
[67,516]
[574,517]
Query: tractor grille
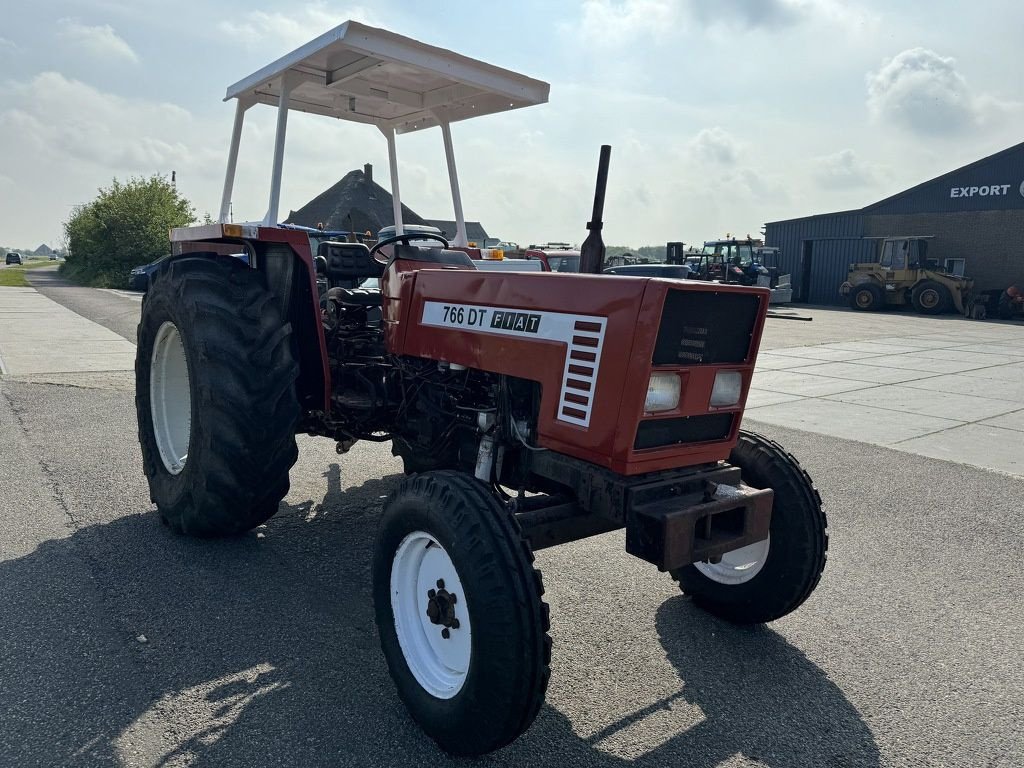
[659,433]
[705,328]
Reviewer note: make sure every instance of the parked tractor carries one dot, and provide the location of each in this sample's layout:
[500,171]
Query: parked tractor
[530,409]
[743,262]
[904,275]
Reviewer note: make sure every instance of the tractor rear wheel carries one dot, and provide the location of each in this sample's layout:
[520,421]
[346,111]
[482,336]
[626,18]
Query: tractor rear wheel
[867,297]
[766,580]
[460,615]
[931,298]
[215,396]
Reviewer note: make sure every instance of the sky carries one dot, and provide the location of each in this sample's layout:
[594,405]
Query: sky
[722,114]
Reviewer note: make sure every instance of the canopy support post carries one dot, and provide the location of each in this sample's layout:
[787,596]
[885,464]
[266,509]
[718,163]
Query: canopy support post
[287,83]
[453,177]
[241,106]
[396,197]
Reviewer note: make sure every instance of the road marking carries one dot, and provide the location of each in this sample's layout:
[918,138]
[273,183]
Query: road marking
[133,295]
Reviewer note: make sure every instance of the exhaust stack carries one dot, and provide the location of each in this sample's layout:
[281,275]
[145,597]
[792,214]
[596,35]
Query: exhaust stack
[592,251]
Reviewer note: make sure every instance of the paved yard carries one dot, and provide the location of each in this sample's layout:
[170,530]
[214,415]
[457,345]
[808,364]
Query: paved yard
[948,388]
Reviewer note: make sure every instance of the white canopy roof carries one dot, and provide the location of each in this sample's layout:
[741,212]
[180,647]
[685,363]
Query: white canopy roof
[370,75]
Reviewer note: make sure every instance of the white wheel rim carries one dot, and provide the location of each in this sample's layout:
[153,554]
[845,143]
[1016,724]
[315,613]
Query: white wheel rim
[738,566]
[170,398]
[439,664]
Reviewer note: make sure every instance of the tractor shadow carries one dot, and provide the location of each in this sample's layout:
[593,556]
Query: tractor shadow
[126,645]
[760,698]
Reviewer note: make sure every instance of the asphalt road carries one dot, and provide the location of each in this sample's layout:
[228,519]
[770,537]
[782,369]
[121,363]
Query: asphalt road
[118,313]
[123,644]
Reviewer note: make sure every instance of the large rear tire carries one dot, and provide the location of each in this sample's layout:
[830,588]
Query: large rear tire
[215,397]
[460,615]
[766,580]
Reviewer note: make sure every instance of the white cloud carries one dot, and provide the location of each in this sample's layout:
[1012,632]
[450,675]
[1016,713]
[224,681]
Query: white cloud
[608,21]
[100,41]
[124,136]
[286,31]
[843,170]
[923,92]
[7,45]
[714,145]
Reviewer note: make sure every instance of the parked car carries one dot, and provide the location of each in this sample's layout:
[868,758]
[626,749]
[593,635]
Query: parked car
[14,258]
[138,278]
[53,257]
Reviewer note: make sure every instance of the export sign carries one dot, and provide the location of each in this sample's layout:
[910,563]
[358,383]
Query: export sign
[987,190]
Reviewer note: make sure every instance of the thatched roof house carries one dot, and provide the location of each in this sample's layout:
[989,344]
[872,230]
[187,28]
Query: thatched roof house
[359,204]
[355,204]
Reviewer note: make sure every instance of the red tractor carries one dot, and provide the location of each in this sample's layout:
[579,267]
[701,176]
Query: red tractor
[529,409]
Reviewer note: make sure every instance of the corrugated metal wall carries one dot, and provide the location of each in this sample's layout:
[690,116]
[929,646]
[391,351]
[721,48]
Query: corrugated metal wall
[835,236]
[830,264]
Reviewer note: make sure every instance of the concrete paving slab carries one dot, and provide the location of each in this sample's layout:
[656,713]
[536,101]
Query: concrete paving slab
[896,397]
[1012,372]
[39,336]
[856,422]
[790,383]
[822,353]
[757,398]
[968,356]
[870,347]
[864,372]
[907,341]
[963,384]
[1016,341]
[977,444]
[771,362]
[930,341]
[1014,420]
[995,349]
[911,361]
[85,344]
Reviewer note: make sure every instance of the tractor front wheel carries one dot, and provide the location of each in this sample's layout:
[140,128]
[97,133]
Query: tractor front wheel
[931,298]
[215,396]
[768,579]
[460,615]
[867,297]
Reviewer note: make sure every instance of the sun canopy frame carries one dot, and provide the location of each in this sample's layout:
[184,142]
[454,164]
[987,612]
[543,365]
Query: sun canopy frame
[368,75]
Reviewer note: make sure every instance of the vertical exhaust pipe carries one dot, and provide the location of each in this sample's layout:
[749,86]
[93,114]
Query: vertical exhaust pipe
[592,251]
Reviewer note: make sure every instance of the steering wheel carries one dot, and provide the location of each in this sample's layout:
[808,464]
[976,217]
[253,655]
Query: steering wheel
[405,240]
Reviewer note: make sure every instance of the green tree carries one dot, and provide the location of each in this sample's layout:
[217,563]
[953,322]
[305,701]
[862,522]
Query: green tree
[125,226]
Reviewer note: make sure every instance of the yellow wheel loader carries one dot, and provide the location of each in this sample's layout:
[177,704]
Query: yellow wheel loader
[904,275]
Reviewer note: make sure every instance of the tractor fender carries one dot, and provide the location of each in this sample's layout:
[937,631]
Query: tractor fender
[845,288]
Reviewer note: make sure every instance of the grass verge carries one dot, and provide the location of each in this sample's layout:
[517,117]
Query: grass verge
[14,277]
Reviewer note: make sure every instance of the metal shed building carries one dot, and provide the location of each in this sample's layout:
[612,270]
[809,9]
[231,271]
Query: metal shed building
[975,213]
